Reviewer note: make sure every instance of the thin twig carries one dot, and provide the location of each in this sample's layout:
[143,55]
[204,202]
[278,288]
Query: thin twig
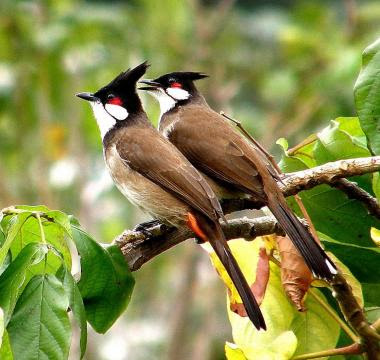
[352,349]
[353,191]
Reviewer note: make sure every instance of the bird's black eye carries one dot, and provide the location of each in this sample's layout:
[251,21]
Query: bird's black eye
[110,96]
[171,80]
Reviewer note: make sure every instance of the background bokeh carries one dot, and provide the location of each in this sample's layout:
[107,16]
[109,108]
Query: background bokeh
[284,68]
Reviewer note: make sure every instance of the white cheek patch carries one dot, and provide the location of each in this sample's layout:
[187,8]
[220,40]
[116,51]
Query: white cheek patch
[105,121]
[166,102]
[178,94]
[118,112]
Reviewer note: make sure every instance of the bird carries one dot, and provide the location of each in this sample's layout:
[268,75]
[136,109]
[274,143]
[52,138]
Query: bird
[223,155]
[155,176]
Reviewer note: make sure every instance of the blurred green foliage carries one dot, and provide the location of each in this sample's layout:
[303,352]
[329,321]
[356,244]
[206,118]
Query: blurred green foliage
[284,68]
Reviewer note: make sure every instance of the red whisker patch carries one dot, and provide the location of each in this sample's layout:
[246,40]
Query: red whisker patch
[176,85]
[115,101]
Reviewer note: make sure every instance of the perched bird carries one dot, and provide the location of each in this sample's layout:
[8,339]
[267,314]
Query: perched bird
[154,175]
[215,148]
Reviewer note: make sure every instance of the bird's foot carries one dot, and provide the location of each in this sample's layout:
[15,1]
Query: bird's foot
[147,227]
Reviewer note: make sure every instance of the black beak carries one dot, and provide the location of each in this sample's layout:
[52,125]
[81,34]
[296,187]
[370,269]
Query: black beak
[87,96]
[153,85]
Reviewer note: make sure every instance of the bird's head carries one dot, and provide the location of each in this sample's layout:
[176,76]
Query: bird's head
[118,100]
[173,88]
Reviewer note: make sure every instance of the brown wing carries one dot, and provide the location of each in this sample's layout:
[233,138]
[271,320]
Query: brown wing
[213,146]
[147,152]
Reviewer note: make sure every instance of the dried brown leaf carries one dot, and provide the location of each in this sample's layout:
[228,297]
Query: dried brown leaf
[295,275]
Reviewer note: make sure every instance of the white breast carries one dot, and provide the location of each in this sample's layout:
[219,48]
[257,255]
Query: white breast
[142,192]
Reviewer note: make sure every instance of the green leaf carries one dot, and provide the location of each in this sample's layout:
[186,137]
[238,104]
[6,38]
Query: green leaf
[363,262]
[105,279]
[76,305]
[315,323]
[367,98]
[13,277]
[5,349]
[372,313]
[61,219]
[336,142]
[40,326]
[55,235]
[13,228]
[2,327]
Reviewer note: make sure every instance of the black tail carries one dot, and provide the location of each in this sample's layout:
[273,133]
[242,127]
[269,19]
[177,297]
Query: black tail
[218,242]
[316,259]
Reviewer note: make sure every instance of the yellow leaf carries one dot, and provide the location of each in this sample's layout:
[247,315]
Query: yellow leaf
[375,235]
[233,352]
[247,258]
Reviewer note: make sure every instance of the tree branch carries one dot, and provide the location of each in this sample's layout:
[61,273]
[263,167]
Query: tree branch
[328,173]
[139,247]
[331,173]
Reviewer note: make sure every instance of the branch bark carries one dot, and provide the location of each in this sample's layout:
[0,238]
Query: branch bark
[139,247]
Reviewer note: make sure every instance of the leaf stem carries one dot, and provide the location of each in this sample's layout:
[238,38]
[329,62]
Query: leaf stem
[332,313]
[347,350]
[43,239]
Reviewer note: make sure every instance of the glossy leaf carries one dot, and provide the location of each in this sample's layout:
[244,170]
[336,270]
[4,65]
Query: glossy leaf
[315,323]
[40,326]
[367,89]
[105,279]
[363,262]
[12,279]
[76,305]
[54,234]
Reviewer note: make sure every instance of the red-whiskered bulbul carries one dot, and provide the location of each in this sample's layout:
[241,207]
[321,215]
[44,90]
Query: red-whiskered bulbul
[155,176]
[215,148]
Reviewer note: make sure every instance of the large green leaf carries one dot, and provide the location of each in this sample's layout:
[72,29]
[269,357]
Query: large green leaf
[76,305]
[12,279]
[367,95]
[106,284]
[40,326]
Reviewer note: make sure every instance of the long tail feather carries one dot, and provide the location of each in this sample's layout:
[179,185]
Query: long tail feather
[215,236]
[315,257]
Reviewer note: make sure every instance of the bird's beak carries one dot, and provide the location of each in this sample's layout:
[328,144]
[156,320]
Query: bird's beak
[153,85]
[87,96]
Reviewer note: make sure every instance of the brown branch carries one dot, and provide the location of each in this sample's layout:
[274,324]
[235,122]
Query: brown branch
[330,173]
[138,248]
[355,316]
[327,173]
[353,191]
